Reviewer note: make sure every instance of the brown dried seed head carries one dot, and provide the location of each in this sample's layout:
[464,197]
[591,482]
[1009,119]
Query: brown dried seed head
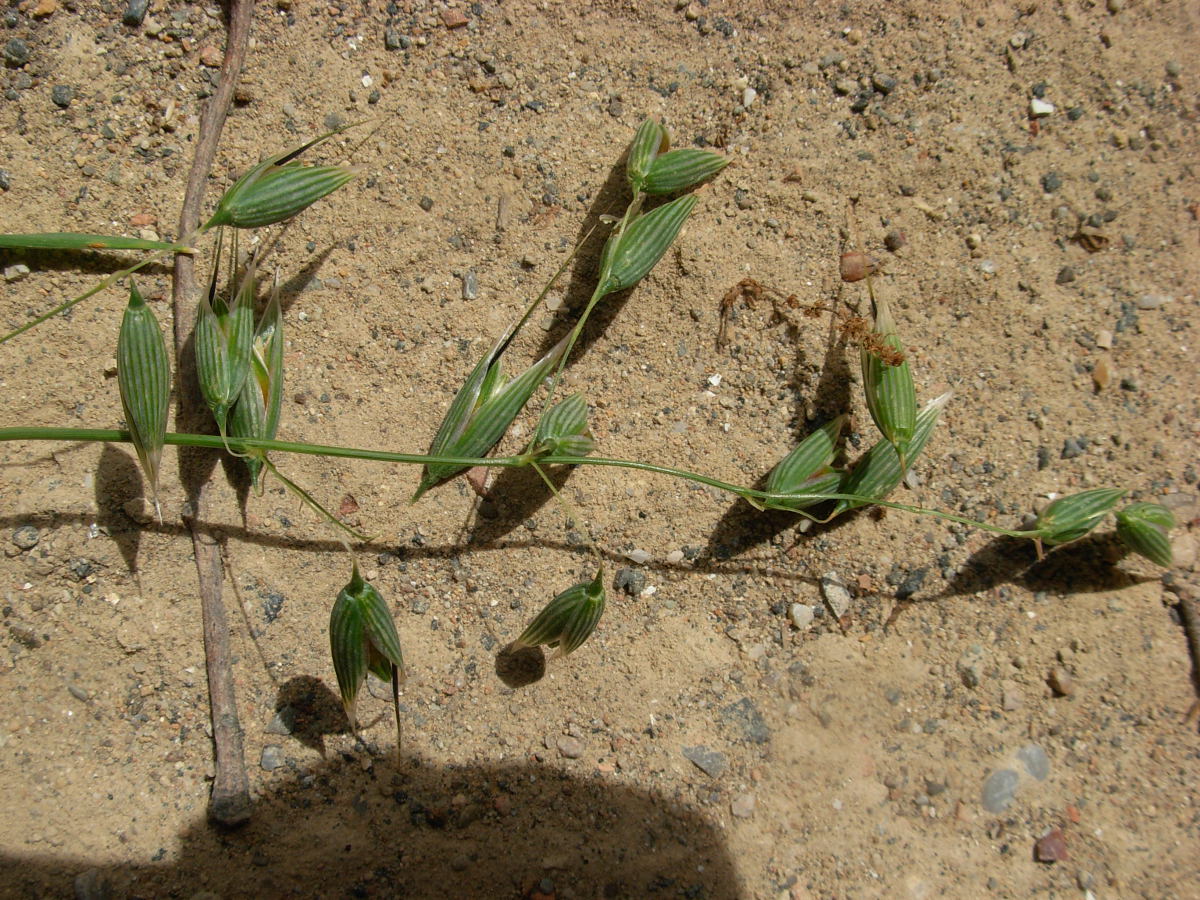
[857,265]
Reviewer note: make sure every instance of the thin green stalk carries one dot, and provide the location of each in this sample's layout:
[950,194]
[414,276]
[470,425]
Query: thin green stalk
[182,247]
[214,442]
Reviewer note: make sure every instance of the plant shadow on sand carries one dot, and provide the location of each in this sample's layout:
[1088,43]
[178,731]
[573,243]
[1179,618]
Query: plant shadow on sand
[361,827]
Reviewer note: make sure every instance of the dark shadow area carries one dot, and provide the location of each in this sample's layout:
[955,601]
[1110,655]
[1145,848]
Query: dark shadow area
[520,667]
[1084,566]
[357,827]
[312,710]
[118,478]
[611,199]
[85,262]
[515,496]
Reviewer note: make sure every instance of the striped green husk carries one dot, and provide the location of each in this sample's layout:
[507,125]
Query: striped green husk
[880,470]
[224,339]
[568,619]
[642,244]
[649,140]
[279,194]
[681,169]
[144,380]
[362,638]
[257,410]
[1071,517]
[810,492]
[890,392]
[482,412]
[793,473]
[1144,528]
[563,429]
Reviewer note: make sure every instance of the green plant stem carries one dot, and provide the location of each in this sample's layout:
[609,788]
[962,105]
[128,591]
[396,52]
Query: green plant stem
[215,442]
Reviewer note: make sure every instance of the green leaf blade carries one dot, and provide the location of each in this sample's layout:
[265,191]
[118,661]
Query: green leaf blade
[65,240]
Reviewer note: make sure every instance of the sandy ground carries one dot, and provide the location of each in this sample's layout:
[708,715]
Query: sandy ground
[700,744]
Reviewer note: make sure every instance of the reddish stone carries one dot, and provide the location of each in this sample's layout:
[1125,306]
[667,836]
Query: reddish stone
[453,18]
[1051,847]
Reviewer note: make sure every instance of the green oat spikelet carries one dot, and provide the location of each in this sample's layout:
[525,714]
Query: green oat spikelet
[278,188]
[1145,529]
[630,254]
[224,344]
[887,380]
[805,472]
[648,141]
[682,169]
[1071,517]
[563,430]
[144,380]
[362,639]
[880,470]
[567,620]
[257,410]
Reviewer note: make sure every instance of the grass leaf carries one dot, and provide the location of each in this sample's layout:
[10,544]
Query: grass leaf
[65,240]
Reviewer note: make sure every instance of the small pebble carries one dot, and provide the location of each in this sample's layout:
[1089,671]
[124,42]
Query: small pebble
[970,666]
[631,581]
[139,509]
[1035,761]
[742,806]
[845,86]
[749,95]
[1153,301]
[570,747]
[1061,682]
[1065,275]
[836,593]
[470,285]
[62,95]
[5,179]
[885,84]
[1052,846]
[284,721]
[638,557]
[1039,108]
[135,12]
[675,557]
[26,537]
[1072,448]
[394,40]
[272,757]
[894,240]
[1173,68]
[1051,182]
[999,790]
[426,203]
[711,762]
[802,615]
[16,53]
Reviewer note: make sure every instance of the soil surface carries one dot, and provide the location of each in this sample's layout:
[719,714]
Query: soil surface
[958,720]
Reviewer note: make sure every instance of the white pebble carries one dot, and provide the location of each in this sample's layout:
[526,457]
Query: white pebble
[675,557]
[749,95]
[1153,301]
[1039,108]
[637,557]
[802,615]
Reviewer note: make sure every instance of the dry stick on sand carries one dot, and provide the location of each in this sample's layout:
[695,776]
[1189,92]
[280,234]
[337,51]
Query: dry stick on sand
[229,803]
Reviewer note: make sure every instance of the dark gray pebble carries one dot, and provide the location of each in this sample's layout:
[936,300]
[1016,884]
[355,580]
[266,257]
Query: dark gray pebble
[26,537]
[62,95]
[1065,275]
[284,721]
[912,583]
[745,715]
[885,84]
[470,285]
[1075,113]
[5,179]
[393,39]
[1072,448]
[426,203]
[894,240]
[1043,457]
[631,581]
[616,108]
[135,12]
[1051,182]
[16,53]
[860,103]
[710,762]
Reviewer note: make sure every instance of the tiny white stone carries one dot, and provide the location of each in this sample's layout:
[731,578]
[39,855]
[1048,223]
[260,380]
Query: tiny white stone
[802,615]
[749,95]
[675,557]
[714,380]
[1039,108]
[637,557]
[367,81]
